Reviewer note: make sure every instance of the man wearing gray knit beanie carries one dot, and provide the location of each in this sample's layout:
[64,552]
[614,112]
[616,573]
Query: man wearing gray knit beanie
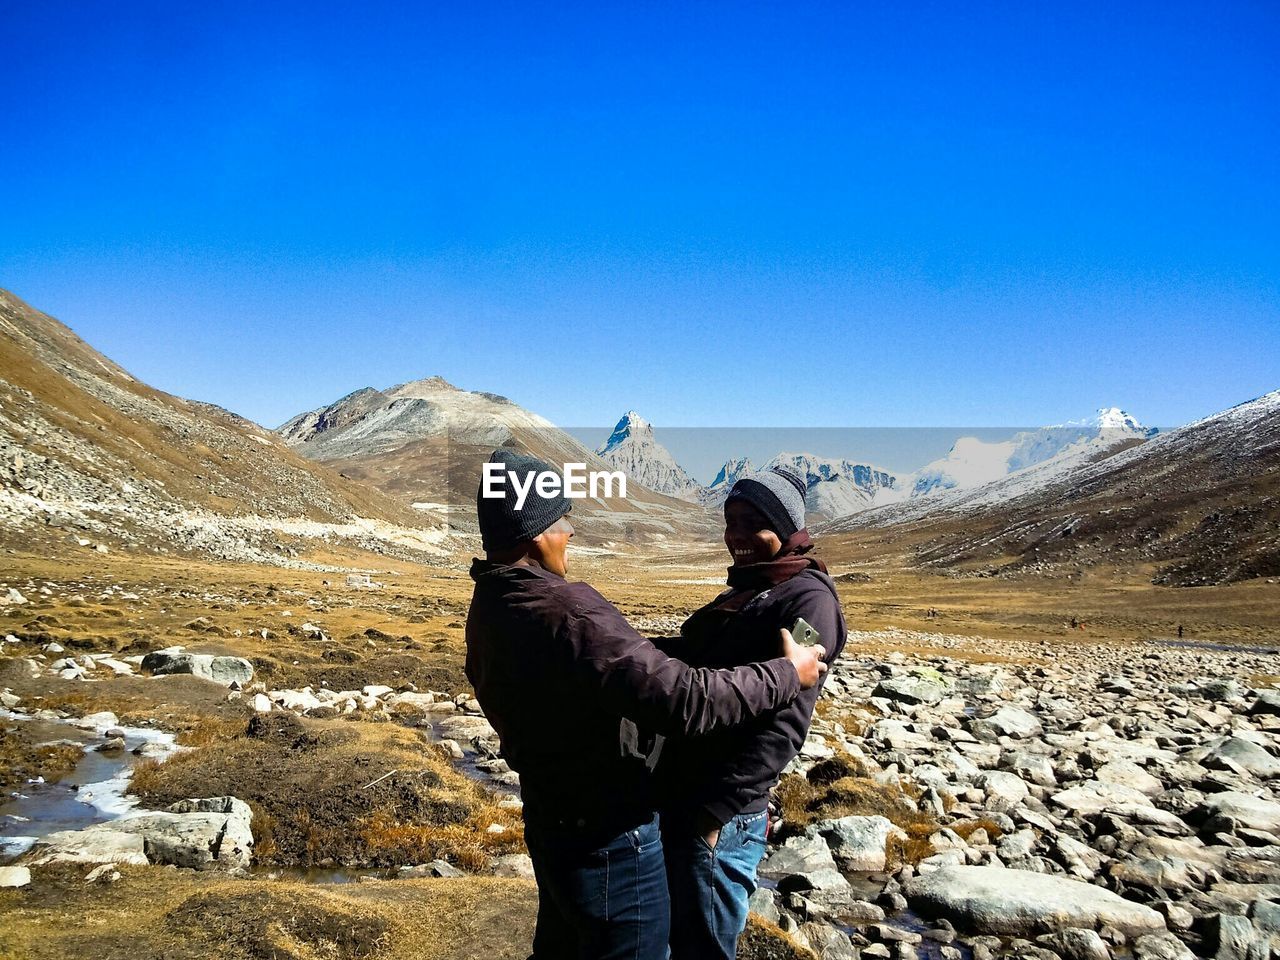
[779,496]
[569,685]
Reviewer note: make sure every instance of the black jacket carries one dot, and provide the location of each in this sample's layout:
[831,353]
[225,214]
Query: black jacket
[730,772]
[566,681]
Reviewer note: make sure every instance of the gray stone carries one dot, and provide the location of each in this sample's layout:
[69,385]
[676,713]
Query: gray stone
[1016,723]
[763,904]
[798,855]
[1020,903]
[1016,846]
[919,690]
[14,876]
[1076,944]
[514,865]
[464,728]
[1129,774]
[1233,938]
[1220,690]
[1267,704]
[192,833]
[1245,809]
[99,844]
[1004,790]
[221,670]
[1243,752]
[1094,796]
[858,843]
[827,942]
[1161,946]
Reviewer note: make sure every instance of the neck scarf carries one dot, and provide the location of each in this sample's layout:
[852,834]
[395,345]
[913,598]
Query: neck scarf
[786,563]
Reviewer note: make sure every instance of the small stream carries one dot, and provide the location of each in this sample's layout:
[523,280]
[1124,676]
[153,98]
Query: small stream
[93,793]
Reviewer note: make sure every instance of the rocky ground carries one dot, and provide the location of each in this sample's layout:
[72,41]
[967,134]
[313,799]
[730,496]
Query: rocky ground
[1111,800]
[960,796]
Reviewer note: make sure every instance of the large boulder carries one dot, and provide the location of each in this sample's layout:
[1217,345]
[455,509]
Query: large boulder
[464,728]
[222,670]
[995,900]
[191,833]
[1245,810]
[14,876]
[1095,796]
[1014,722]
[858,843]
[1242,753]
[98,844]
[927,690]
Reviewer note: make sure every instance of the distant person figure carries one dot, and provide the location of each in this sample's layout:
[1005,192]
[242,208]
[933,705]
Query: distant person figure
[1074,623]
[715,789]
[568,685]
[1179,631]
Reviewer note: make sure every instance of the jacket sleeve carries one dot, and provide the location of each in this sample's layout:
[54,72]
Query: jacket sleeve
[822,612]
[635,679]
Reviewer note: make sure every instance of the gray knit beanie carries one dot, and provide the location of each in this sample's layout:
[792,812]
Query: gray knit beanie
[503,526]
[778,494]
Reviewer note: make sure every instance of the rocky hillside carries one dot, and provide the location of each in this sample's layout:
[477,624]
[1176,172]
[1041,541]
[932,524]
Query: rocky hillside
[90,455]
[423,442]
[1198,505]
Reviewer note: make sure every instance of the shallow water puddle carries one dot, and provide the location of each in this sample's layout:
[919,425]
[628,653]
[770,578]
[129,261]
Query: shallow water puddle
[93,793]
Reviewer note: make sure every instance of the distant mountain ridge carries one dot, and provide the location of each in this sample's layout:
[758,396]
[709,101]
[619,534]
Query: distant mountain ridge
[1198,505]
[423,442]
[972,462]
[839,487]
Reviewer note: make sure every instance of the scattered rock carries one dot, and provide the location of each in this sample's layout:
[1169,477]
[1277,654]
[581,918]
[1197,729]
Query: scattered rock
[1021,903]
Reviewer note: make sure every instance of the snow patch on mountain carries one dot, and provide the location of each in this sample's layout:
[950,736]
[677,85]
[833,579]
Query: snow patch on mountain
[972,462]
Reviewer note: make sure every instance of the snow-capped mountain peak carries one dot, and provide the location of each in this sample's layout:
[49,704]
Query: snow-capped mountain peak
[631,425]
[632,448]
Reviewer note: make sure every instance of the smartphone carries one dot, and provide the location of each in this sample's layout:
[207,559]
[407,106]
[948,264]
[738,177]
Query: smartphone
[804,634]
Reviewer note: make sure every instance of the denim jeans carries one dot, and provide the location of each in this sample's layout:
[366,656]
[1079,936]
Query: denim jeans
[710,886]
[598,899]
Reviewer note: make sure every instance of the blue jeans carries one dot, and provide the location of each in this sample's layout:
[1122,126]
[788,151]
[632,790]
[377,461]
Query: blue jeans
[710,886]
[602,898]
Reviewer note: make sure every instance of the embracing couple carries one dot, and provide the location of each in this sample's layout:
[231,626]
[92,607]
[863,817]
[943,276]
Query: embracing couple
[646,765]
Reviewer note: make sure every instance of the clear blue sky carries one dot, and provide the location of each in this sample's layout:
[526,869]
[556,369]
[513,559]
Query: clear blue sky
[716,214]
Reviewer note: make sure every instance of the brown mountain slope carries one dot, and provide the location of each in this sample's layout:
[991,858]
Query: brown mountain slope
[1198,505]
[86,447]
[424,442]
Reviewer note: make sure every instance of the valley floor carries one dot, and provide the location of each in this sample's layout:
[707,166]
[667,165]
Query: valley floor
[371,782]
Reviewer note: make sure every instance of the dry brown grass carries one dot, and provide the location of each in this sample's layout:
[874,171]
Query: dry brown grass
[763,940]
[853,718]
[158,914]
[21,760]
[840,787]
[327,792]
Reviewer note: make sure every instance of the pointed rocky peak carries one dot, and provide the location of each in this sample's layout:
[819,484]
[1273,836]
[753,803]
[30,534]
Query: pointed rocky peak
[1115,420]
[731,471]
[425,388]
[631,426]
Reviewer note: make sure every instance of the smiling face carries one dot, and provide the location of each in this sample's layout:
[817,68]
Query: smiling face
[747,534]
[550,548]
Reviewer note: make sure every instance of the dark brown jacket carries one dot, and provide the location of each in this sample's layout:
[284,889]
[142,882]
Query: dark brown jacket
[732,771]
[558,670]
